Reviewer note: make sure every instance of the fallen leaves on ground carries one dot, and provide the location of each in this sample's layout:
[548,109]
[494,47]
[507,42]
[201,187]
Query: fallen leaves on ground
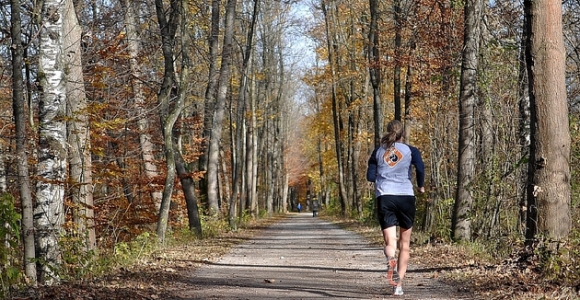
[514,278]
[167,271]
[156,277]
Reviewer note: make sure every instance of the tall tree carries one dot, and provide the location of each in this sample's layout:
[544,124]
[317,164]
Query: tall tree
[18,107]
[462,214]
[218,115]
[375,70]
[331,47]
[524,123]
[168,23]
[210,92]
[549,164]
[52,152]
[78,131]
[187,183]
[239,138]
[398,58]
[147,147]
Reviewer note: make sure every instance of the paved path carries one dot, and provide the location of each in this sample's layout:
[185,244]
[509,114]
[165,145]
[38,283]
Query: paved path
[302,257]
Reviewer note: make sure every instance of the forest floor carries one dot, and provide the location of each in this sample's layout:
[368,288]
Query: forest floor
[301,257]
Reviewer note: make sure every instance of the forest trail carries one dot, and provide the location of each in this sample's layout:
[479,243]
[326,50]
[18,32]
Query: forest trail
[302,257]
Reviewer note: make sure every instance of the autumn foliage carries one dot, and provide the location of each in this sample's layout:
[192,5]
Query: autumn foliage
[293,131]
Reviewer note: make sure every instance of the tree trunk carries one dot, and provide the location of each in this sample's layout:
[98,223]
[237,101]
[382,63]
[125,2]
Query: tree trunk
[188,187]
[210,93]
[19,113]
[549,168]
[169,116]
[356,152]
[241,119]
[524,124]
[147,147]
[225,188]
[398,58]
[335,114]
[218,116]
[252,155]
[52,154]
[187,183]
[238,153]
[409,120]
[244,189]
[462,214]
[375,72]
[323,197]
[80,161]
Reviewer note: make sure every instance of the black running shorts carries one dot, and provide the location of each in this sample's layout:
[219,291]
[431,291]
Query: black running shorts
[396,210]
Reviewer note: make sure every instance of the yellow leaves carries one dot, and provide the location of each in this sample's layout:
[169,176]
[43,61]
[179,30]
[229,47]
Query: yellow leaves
[105,124]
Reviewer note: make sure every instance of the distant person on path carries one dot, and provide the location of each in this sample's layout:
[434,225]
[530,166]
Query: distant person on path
[299,207]
[314,208]
[389,167]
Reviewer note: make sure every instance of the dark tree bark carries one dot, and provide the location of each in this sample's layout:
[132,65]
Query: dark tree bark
[18,107]
[168,24]
[462,214]
[524,125]
[375,71]
[397,66]
[188,187]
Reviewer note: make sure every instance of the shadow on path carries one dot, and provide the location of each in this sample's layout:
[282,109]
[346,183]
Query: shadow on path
[302,257]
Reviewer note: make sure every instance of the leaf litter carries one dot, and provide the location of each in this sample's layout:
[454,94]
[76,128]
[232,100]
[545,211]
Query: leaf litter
[166,271]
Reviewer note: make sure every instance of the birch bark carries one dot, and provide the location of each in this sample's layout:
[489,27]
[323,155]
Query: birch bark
[52,152]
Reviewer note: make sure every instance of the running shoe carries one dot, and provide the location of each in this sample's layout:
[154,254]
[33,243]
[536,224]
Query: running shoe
[397,291]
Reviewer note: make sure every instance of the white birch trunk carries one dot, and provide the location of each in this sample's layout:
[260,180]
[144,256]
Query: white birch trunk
[52,152]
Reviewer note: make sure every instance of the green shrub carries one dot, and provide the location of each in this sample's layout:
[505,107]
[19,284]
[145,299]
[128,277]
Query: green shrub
[212,227]
[369,212]
[143,245]
[561,265]
[10,259]
[77,261]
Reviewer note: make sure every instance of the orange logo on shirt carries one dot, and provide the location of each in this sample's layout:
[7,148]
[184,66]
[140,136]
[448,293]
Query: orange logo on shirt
[393,157]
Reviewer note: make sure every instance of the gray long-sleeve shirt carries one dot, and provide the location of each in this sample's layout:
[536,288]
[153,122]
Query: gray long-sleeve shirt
[390,169]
